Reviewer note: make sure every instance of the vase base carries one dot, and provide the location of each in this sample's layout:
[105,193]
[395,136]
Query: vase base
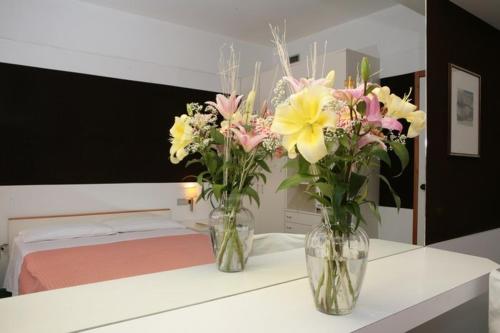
[340,312]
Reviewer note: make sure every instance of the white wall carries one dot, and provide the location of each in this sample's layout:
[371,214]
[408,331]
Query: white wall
[77,36]
[395,35]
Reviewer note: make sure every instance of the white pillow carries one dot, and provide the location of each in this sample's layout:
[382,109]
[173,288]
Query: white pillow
[141,223]
[60,231]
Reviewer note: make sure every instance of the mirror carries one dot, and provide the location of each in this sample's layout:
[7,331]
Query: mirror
[119,71]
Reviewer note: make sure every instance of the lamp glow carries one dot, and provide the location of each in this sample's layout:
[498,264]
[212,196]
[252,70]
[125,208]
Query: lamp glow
[191,193]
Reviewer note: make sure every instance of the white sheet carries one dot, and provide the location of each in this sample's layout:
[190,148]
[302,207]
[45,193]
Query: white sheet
[20,249]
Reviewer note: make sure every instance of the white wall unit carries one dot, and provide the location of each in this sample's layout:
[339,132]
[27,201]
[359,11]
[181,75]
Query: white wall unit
[300,222]
[396,36]
[296,228]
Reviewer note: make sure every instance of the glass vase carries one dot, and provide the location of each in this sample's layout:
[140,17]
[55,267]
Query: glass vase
[336,264]
[231,231]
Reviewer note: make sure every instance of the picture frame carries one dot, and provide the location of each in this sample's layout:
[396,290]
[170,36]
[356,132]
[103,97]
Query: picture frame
[464,111]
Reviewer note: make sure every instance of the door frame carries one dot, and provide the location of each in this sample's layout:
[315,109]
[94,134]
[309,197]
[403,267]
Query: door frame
[416,158]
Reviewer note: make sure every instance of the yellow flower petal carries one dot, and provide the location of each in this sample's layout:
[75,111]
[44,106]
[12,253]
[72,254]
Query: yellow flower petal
[329,79]
[382,94]
[301,122]
[327,119]
[174,160]
[311,143]
[398,108]
[287,120]
[417,123]
[289,142]
[310,102]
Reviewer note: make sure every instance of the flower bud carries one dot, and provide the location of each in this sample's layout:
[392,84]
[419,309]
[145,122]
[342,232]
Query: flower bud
[365,69]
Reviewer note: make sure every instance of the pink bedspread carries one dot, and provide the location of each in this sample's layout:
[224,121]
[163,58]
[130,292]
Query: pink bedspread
[52,269]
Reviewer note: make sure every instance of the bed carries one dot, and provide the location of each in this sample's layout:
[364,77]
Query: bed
[51,252]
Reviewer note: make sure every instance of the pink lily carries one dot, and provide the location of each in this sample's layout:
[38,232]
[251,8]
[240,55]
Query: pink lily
[247,140]
[374,116]
[298,84]
[370,138]
[226,106]
[351,96]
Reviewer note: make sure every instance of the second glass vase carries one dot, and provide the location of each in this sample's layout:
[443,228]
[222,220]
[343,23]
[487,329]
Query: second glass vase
[231,231]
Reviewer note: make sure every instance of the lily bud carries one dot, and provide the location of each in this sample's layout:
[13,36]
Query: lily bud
[365,69]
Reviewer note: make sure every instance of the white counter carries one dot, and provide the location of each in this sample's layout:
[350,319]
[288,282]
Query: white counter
[91,305]
[400,292]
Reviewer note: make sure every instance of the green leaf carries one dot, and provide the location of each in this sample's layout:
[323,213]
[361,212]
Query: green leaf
[218,189]
[344,141]
[397,199]
[370,88]
[402,154]
[355,183]
[325,188]
[374,208]
[217,136]
[200,178]
[293,181]
[263,165]
[318,197]
[292,163]
[338,194]
[193,161]
[212,165]
[252,194]
[234,197]
[303,165]
[382,155]
[354,209]
[361,107]
[261,176]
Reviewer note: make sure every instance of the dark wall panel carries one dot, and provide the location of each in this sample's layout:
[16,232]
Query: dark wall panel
[59,127]
[462,193]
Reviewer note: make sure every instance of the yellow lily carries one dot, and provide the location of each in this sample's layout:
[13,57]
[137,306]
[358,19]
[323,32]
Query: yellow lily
[398,108]
[182,136]
[301,122]
[417,123]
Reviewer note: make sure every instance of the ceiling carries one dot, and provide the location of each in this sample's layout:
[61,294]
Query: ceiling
[248,19]
[487,10]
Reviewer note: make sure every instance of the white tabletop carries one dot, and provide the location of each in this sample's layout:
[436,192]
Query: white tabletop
[400,292]
[92,305]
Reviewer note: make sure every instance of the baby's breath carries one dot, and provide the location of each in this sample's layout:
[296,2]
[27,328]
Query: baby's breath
[279,93]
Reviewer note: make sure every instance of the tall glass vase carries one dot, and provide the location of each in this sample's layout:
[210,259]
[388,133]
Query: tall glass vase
[336,256]
[231,230]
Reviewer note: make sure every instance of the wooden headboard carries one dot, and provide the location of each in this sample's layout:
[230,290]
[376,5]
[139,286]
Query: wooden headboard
[17,224]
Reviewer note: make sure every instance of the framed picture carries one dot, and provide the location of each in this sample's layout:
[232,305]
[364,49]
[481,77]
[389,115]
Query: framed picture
[464,112]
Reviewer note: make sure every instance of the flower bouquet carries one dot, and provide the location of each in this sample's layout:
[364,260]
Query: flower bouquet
[332,137]
[233,153]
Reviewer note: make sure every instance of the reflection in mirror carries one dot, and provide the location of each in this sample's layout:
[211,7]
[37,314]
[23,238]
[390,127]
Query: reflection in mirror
[87,192]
